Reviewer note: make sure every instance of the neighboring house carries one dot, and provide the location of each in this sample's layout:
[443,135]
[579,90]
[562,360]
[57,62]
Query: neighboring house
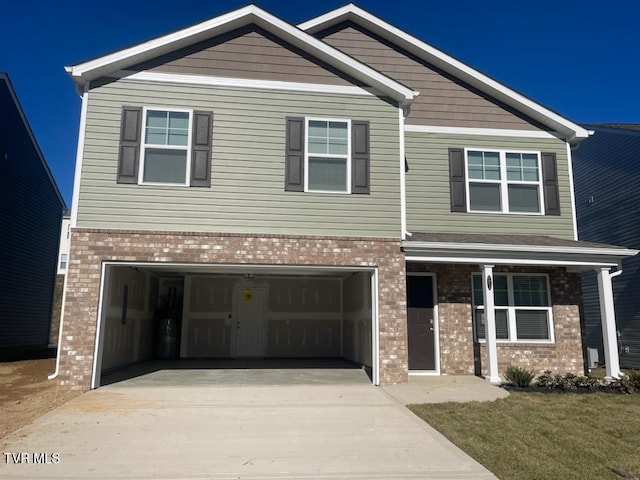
[607,182]
[65,235]
[30,223]
[333,189]
[63,261]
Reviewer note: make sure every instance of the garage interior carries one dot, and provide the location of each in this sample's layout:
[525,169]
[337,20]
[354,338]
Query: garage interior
[170,317]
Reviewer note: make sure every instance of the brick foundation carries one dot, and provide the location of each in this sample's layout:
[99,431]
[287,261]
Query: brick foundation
[459,354]
[90,247]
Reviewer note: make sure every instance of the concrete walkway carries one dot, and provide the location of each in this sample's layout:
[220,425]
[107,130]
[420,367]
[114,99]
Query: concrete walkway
[172,424]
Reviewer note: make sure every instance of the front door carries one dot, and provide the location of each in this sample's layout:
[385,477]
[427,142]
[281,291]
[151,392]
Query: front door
[420,327]
[249,317]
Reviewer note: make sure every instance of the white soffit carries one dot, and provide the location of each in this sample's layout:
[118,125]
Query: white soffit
[449,64]
[120,60]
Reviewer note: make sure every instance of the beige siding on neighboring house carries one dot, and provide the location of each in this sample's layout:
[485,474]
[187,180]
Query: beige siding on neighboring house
[248,52]
[428,202]
[443,101]
[247,191]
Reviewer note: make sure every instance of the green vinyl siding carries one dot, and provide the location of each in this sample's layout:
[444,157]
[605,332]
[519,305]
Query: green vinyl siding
[247,187]
[427,183]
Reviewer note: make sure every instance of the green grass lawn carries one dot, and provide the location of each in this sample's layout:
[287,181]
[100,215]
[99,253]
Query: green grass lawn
[545,435]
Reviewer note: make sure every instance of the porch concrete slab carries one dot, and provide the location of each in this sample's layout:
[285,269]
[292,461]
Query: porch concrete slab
[445,388]
[218,431]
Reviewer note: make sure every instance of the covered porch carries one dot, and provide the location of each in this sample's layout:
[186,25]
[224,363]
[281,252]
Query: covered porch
[516,298]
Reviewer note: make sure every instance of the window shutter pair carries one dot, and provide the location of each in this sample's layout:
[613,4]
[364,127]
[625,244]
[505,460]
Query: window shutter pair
[130,140]
[294,156]
[457,182]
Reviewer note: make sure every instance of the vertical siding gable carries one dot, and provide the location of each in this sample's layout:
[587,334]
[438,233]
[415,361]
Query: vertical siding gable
[30,217]
[249,52]
[443,100]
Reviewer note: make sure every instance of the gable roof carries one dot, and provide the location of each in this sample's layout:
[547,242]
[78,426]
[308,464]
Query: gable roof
[251,14]
[572,131]
[9,92]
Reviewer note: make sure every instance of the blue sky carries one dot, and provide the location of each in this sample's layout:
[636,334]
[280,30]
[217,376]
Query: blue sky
[579,58]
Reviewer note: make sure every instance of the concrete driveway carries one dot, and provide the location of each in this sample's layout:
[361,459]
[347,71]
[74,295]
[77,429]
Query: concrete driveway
[177,425]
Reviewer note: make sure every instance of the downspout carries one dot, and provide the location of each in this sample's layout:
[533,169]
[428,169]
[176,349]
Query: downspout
[617,272]
[74,218]
[403,112]
[572,192]
[403,195]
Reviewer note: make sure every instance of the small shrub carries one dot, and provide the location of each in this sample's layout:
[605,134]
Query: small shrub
[623,384]
[634,378]
[590,383]
[519,377]
[547,380]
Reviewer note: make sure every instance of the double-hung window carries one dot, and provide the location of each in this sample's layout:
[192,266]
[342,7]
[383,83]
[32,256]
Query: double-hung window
[522,307]
[166,147]
[504,181]
[328,159]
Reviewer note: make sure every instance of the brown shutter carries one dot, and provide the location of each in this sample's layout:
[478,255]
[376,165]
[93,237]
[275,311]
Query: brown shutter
[457,180]
[201,150]
[550,184]
[360,157]
[294,155]
[129,153]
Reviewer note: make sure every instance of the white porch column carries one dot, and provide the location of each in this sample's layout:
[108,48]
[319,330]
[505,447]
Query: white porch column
[608,319]
[490,324]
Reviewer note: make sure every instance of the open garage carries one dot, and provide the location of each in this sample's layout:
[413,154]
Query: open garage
[224,316]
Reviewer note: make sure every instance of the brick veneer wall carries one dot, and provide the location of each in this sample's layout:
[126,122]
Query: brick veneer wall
[90,247]
[459,354]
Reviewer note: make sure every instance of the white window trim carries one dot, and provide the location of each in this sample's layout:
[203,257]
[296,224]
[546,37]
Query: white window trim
[306,154]
[503,182]
[63,261]
[143,147]
[512,309]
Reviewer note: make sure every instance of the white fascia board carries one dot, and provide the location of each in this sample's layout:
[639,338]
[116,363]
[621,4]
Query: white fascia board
[496,132]
[448,246]
[572,131]
[240,82]
[244,16]
[513,260]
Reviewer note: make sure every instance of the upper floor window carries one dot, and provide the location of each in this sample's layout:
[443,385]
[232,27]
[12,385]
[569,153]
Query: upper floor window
[504,181]
[522,307]
[166,147]
[328,161]
[327,155]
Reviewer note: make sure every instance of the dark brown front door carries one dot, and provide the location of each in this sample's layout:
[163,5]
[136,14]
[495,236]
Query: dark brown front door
[420,328]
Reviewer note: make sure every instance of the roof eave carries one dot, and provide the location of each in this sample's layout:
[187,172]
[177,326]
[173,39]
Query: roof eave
[605,256]
[571,131]
[120,60]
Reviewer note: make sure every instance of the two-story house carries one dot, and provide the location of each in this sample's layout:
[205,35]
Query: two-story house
[336,189]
